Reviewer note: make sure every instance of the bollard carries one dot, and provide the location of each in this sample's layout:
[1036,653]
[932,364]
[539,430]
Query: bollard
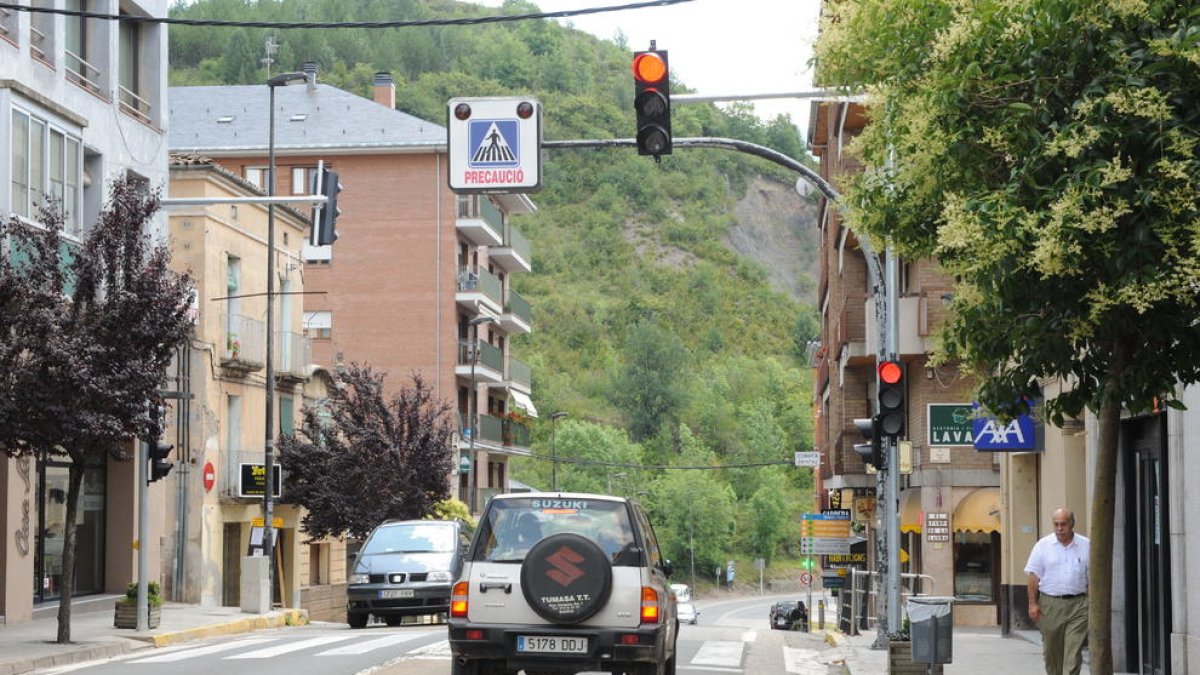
[821,614]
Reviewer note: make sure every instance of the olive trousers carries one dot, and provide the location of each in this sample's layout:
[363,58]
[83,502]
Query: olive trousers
[1064,627]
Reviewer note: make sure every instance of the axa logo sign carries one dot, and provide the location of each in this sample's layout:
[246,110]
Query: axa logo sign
[564,566]
[992,434]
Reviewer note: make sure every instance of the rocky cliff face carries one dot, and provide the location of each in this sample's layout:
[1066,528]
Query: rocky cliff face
[778,228]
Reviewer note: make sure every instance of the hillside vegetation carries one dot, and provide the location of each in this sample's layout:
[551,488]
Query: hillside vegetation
[664,344]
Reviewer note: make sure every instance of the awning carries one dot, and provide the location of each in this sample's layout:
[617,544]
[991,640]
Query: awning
[523,401]
[979,511]
[910,511]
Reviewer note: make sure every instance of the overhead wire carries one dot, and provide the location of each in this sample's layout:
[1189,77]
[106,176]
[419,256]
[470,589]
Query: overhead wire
[470,21]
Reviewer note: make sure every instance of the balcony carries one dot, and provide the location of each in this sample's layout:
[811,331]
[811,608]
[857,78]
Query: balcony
[917,318]
[479,289]
[488,369]
[479,221]
[134,105]
[518,315]
[519,375]
[82,73]
[244,348]
[517,437]
[514,254]
[293,353]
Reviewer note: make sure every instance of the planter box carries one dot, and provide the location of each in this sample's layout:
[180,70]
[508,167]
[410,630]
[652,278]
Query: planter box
[125,616]
[900,659]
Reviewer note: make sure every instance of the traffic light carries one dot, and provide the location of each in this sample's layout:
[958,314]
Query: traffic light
[159,466]
[872,451]
[891,394]
[652,101]
[325,182]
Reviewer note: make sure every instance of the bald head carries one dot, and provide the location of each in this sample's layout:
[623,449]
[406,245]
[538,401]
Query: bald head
[1063,520]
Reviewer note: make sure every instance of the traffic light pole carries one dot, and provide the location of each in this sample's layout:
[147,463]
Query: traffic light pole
[143,521]
[891,494]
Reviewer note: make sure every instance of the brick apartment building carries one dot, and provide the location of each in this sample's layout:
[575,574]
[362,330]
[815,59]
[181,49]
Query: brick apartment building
[947,480]
[414,263]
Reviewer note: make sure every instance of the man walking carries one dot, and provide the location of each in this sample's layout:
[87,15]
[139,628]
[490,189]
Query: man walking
[1058,583]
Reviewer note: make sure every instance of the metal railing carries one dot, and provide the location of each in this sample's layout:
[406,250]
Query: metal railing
[517,242]
[135,105]
[477,206]
[475,279]
[489,355]
[519,372]
[863,597]
[36,39]
[81,72]
[245,341]
[518,306]
[517,434]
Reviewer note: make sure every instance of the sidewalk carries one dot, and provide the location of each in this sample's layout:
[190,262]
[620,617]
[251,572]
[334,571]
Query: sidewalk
[975,650]
[30,645]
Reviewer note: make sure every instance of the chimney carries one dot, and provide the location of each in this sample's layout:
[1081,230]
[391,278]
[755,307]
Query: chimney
[385,90]
[310,69]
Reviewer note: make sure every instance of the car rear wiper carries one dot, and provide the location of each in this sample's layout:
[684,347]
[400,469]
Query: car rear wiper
[509,561]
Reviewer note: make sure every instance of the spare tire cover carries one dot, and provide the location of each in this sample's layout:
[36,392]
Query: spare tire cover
[566,578]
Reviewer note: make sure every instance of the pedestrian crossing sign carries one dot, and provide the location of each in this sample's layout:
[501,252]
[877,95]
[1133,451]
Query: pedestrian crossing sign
[494,145]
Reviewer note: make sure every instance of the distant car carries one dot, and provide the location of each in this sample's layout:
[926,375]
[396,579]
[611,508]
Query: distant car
[687,612]
[405,569]
[682,592]
[784,614]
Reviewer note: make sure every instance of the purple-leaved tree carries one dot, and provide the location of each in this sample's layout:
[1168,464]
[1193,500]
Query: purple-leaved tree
[86,334]
[363,458]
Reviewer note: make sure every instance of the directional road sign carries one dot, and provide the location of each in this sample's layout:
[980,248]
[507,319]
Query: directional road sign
[808,459]
[494,145]
[825,533]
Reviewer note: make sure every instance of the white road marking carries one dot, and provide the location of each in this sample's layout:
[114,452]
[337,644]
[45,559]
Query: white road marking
[203,651]
[437,650]
[726,653]
[750,636]
[803,661]
[289,647]
[369,645]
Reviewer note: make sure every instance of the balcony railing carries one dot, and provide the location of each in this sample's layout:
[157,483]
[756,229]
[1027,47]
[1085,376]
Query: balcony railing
[514,252]
[81,72]
[519,373]
[481,281]
[293,354]
[490,356]
[135,105]
[480,221]
[37,42]
[517,434]
[245,344]
[518,306]
[491,429]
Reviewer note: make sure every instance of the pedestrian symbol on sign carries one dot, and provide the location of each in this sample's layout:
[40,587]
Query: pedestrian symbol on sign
[494,143]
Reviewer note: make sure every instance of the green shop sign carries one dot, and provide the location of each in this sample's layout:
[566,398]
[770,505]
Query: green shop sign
[950,424]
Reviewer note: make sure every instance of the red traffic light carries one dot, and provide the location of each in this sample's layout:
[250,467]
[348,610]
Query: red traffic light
[649,67]
[890,372]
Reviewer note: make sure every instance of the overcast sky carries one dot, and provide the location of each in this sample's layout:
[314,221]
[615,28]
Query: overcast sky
[718,46]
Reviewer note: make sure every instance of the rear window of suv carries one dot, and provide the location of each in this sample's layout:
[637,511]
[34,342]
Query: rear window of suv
[412,538]
[513,526]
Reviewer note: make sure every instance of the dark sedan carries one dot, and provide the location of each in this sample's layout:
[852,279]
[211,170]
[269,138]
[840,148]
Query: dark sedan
[784,614]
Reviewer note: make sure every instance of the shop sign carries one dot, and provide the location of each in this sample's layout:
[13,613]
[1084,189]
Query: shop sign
[937,527]
[252,480]
[950,424]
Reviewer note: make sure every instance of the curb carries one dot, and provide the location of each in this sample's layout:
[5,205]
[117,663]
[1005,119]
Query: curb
[125,644]
[288,617]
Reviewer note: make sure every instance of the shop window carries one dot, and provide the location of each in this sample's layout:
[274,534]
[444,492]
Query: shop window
[975,566]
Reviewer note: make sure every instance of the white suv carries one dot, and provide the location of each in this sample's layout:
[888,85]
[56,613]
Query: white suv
[563,583]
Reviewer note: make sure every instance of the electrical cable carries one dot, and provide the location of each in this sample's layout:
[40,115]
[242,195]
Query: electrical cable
[566,13]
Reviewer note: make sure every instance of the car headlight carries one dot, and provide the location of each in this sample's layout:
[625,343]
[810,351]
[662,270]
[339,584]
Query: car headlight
[439,577]
[360,579]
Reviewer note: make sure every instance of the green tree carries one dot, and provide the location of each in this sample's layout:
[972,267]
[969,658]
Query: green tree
[1046,154]
[770,519]
[651,388]
[86,334]
[589,442]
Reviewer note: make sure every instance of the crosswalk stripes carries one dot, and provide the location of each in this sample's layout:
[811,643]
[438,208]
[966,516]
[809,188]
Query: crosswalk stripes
[726,653]
[371,645]
[182,654]
[436,650]
[291,646]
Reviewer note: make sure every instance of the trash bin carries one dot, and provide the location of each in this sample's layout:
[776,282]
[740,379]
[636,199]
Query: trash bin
[931,627]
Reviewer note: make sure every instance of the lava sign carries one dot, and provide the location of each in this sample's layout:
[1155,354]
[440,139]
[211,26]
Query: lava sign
[494,145]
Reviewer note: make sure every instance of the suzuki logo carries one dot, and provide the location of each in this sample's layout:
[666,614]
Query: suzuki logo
[563,561]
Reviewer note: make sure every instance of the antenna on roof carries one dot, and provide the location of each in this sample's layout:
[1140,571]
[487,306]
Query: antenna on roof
[271,48]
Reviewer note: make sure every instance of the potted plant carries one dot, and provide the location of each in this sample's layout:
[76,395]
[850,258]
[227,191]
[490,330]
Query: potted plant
[125,615]
[233,345]
[900,653]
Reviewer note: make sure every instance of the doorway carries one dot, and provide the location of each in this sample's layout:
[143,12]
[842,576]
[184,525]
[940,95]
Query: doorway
[1149,577]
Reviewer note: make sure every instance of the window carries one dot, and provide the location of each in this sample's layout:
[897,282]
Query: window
[41,32]
[975,566]
[257,176]
[287,416]
[132,95]
[47,169]
[77,43]
[301,175]
[8,24]
[318,325]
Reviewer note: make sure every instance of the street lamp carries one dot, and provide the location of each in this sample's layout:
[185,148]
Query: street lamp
[281,80]
[619,475]
[554,417]
[473,402]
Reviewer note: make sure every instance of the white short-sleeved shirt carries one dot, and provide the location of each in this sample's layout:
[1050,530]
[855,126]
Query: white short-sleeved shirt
[1061,570]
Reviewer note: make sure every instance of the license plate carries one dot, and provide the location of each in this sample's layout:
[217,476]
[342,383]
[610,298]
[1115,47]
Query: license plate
[552,644]
[403,593]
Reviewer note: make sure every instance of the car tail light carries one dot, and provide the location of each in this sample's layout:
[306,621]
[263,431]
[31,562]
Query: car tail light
[474,634]
[458,600]
[650,613]
[629,639]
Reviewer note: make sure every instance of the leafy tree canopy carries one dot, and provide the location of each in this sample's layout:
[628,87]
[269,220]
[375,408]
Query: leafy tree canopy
[361,458]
